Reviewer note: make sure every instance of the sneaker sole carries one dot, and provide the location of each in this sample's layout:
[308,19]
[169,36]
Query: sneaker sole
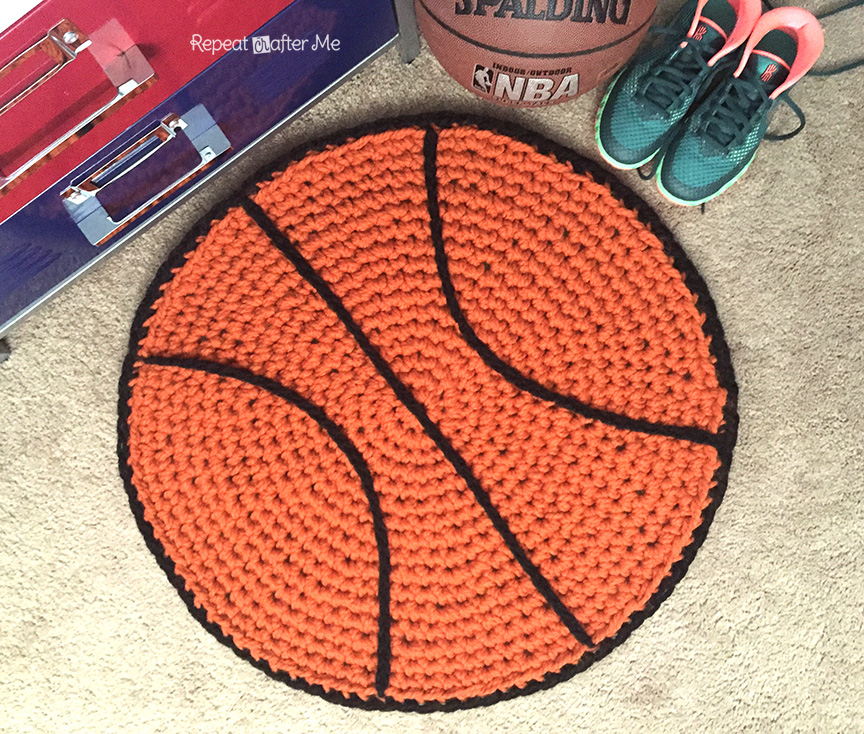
[675,200]
[603,152]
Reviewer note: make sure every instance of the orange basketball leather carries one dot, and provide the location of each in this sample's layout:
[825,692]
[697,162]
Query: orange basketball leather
[431,417]
[533,53]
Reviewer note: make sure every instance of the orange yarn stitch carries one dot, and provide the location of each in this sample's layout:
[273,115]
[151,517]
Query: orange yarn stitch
[431,419]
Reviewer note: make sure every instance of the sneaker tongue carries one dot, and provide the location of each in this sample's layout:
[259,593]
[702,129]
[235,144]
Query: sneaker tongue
[711,35]
[767,68]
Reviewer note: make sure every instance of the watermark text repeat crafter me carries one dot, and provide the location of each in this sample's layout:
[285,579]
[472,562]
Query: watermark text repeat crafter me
[264,44]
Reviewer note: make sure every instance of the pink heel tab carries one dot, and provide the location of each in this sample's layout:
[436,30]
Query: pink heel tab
[803,27]
[747,12]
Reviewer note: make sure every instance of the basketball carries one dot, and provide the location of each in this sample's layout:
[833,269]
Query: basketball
[428,418]
[533,53]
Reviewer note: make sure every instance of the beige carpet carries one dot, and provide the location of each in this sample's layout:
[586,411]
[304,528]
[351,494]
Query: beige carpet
[763,634]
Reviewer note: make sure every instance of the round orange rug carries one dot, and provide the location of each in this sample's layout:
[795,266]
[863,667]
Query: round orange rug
[433,416]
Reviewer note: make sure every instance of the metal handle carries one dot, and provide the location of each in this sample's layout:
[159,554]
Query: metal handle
[126,68]
[81,199]
[61,44]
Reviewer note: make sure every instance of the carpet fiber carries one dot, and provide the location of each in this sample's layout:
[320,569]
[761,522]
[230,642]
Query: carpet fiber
[764,632]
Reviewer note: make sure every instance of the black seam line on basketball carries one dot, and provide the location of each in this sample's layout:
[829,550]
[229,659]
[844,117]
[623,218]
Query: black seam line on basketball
[352,453]
[528,54]
[310,275]
[508,372]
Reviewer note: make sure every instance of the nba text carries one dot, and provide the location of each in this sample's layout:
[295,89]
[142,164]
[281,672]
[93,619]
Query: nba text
[523,88]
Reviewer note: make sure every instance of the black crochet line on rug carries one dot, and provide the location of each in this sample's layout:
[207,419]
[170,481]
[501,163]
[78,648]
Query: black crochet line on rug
[712,328]
[352,453]
[417,409]
[494,362]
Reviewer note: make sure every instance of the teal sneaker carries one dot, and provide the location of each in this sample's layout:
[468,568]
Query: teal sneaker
[646,101]
[719,140]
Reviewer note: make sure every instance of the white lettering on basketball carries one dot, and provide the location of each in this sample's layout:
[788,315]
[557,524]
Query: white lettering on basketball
[519,88]
[538,90]
[569,87]
[511,87]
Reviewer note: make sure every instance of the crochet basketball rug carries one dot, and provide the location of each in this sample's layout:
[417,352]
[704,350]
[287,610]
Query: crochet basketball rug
[431,417]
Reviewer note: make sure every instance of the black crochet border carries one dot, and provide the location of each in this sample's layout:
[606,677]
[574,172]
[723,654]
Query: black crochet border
[726,437]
